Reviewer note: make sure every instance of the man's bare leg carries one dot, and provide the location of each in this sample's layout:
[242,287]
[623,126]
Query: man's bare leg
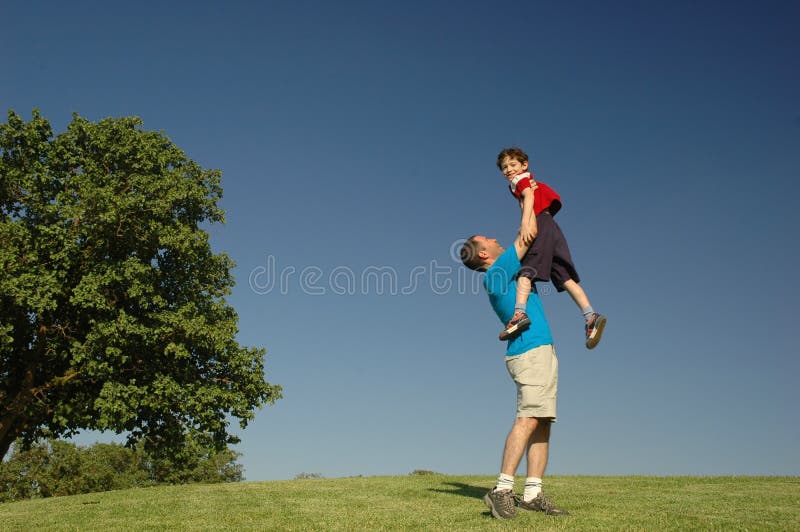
[517,443]
[500,500]
[539,449]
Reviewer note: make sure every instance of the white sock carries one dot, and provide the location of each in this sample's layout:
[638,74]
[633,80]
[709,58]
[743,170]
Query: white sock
[505,482]
[533,486]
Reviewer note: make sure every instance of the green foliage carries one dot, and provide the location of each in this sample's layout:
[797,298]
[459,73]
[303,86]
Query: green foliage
[53,467]
[193,462]
[112,304]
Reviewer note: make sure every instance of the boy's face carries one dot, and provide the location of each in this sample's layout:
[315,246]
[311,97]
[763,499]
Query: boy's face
[511,167]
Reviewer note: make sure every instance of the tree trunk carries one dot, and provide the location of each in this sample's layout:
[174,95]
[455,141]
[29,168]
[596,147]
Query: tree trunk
[12,420]
[10,429]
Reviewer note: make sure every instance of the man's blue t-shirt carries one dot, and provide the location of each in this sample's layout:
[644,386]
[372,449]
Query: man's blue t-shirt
[501,285]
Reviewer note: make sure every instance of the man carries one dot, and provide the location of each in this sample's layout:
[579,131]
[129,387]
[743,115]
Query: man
[531,361]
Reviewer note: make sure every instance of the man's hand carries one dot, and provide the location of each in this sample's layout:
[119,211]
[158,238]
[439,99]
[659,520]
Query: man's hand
[527,232]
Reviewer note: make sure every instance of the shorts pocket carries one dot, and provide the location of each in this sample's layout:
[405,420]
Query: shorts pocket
[529,368]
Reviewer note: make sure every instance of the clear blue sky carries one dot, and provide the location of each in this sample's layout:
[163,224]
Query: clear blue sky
[357,141]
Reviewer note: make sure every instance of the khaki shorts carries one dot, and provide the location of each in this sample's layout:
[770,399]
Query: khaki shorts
[535,373]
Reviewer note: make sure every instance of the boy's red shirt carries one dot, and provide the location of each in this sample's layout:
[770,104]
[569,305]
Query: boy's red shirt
[544,197]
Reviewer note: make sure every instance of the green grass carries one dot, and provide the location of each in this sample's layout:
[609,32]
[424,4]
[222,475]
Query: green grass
[422,502]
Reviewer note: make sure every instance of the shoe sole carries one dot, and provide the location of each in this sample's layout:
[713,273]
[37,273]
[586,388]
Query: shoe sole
[597,333]
[512,331]
[490,504]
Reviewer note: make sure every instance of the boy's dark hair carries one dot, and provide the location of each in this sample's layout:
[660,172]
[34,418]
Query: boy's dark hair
[514,153]
[469,255]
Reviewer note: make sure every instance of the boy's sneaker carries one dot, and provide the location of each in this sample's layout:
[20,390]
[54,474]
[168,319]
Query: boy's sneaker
[501,503]
[540,503]
[518,323]
[594,329]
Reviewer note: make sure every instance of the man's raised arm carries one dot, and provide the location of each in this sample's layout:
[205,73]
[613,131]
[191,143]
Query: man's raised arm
[526,235]
[521,246]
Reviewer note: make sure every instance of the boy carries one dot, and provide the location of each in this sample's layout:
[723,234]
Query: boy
[548,256]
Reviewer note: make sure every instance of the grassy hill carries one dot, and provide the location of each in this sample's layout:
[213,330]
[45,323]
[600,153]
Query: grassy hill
[422,502]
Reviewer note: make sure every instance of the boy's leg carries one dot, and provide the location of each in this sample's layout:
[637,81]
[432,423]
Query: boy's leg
[594,323]
[565,277]
[523,292]
[519,321]
[577,294]
[535,266]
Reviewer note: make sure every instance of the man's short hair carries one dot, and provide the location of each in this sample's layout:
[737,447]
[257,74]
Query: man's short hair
[514,153]
[469,254]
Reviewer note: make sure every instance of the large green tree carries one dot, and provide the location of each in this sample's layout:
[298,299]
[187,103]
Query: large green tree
[112,304]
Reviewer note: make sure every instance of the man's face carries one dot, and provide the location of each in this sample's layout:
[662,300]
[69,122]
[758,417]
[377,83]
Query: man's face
[490,246]
[511,167]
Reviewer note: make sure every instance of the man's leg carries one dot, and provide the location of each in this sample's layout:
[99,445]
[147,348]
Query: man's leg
[517,443]
[538,451]
[500,500]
